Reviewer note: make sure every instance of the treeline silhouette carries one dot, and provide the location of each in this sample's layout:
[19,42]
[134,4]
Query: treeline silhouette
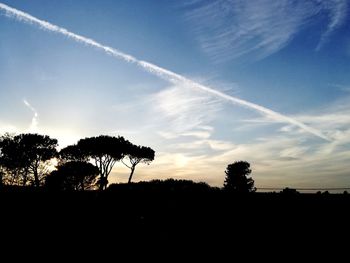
[75,204]
[25,160]
[170,215]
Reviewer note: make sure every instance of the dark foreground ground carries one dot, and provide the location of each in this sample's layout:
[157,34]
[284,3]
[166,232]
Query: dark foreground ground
[99,224]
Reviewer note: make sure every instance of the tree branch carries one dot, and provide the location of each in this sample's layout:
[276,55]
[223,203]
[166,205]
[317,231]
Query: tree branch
[125,164]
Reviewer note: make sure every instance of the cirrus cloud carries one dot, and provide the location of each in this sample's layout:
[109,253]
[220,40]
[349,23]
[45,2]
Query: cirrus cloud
[227,29]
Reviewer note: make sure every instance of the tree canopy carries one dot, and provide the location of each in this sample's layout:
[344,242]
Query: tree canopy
[73,153]
[24,160]
[135,155]
[104,151]
[24,156]
[73,175]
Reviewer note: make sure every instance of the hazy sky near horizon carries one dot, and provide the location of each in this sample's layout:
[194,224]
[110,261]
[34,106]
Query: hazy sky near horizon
[291,57]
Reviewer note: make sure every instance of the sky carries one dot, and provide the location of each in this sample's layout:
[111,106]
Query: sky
[203,83]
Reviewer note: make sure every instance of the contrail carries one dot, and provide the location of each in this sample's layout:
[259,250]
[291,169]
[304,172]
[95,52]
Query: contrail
[159,71]
[35,122]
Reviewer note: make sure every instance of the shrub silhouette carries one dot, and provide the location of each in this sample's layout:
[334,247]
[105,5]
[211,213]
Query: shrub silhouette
[289,191]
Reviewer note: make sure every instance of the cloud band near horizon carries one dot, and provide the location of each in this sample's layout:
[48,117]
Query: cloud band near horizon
[163,73]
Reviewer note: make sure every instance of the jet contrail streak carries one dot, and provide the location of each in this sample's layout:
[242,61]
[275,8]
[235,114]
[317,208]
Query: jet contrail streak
[159,71]
[34,124]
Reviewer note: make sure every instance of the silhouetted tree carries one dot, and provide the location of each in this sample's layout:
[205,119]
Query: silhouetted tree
[2,173]
[74,175]
[27,154]
[105,151]
[237,178]
[1,168]
[11,159]
[135,155]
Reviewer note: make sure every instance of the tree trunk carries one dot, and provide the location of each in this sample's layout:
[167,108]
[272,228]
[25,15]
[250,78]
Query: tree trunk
[100,187]
[82,185]
[105,182]
[25,178]
[36,178]
[131,174]
[101,183]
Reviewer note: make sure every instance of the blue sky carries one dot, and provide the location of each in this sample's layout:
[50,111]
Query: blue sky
[287,60]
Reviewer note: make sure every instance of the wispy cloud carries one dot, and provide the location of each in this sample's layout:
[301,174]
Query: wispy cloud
[196,133]
[342,87]
[168,75]
[287,161]
[184,111]
[337,13]
[34,124]
[205,145]
[229,29]
[279,159]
